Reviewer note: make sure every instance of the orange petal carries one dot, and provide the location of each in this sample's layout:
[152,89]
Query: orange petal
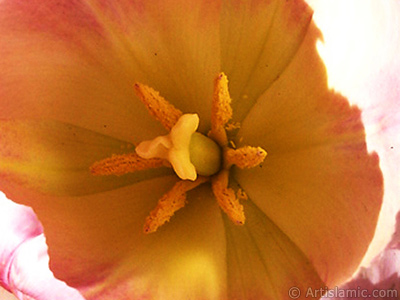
[98,240]
[55,158]
[259,40]
[263,263]
[84,57]
[318,184]
[366,71]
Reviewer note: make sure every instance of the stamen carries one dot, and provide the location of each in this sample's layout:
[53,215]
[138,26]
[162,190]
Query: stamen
[226,198]
[159,108]
[125,163]
[221,111]
[245,157]
[169,203]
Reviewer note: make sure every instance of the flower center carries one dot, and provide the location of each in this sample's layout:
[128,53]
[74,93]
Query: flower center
[189,152]
[195,158]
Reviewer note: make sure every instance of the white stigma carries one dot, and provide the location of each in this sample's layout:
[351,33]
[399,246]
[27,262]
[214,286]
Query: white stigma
[174,147]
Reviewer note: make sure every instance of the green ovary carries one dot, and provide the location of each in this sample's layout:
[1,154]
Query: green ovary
[205,154]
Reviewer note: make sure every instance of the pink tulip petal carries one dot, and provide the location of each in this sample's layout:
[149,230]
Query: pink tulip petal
[100,50]
[382,275]
[366,71]
[18,223]
[258,41]
[96,243]
[85,56]
[30,274]
[318,183]
[263,263]
[25,269]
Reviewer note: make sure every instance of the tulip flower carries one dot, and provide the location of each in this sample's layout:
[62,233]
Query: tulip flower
[70,70]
